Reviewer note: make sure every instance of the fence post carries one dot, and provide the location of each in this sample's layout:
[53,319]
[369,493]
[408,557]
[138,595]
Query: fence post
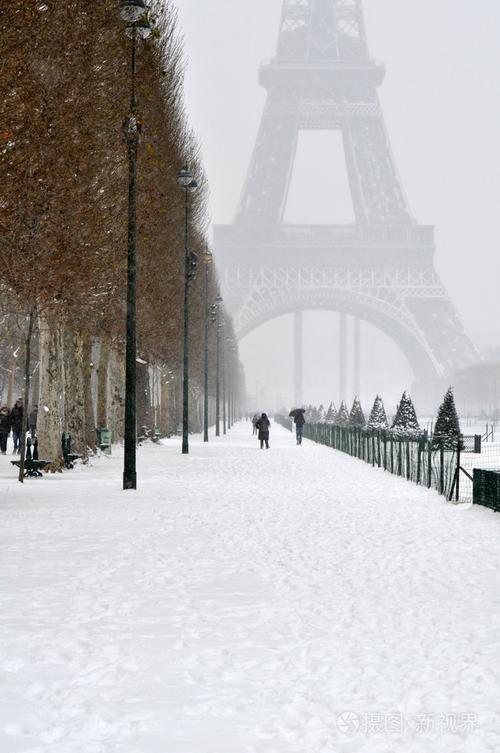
[408,460]
[400,458]
[419,460]
[391,439]
[384,439]
[429,463]
[441,467]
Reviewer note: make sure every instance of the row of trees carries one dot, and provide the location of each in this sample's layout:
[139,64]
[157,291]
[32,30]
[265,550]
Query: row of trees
[403,424]
[64,96]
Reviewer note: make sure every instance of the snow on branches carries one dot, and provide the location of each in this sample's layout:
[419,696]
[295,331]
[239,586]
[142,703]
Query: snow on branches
[405,424]
[378,416]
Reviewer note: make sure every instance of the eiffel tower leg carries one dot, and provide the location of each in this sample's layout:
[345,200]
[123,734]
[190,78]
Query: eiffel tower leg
[353,173]
[357,356]
[298,331]
[343,357]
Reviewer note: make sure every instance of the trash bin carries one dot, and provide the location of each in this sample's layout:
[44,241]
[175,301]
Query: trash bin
[104,435]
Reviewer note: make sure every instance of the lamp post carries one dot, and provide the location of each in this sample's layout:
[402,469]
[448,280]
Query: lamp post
[186,181]
[217,304]
[230,420]
[132,12]
[231,382]
[207,259]
[223,376]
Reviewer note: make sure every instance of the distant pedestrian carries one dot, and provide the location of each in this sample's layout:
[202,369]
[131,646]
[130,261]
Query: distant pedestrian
[263,425]
[16,424]
[299,421]
[4,428]
[32,420]
[255,418]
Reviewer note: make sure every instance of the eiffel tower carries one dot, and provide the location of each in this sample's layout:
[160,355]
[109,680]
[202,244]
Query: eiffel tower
[378,269]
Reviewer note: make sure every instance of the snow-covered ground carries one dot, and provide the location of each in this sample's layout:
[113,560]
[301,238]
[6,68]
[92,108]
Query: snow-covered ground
[293,600]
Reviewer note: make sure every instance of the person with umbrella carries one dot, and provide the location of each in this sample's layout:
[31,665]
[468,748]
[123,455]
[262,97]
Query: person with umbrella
[299,420]
[263,425]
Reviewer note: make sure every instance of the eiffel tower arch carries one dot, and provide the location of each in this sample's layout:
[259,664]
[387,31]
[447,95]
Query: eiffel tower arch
[379,268]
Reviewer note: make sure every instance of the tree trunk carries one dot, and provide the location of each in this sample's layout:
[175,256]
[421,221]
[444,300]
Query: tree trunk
[89,434]
[74,400]
[143,397]
[102,385]
[35,375]
[51,389]
[165,419]
[10,383]
[27,377]
[116,412]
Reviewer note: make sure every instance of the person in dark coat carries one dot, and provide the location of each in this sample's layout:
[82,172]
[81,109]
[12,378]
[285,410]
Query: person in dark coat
[4,427]
[32,421]
[16,423]
[263,425]
[299,422]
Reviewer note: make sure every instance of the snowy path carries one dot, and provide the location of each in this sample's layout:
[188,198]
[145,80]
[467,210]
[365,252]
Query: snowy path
[240,602]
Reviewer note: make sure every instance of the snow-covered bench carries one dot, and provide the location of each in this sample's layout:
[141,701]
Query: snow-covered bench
[32,463]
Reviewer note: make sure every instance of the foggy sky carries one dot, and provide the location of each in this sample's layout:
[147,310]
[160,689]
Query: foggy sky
[441,104]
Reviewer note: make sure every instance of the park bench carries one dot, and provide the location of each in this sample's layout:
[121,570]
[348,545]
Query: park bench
[32,464]
[144,434]
[68,456]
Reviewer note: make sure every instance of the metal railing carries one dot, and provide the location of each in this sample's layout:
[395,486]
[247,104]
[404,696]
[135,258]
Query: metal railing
[446,467]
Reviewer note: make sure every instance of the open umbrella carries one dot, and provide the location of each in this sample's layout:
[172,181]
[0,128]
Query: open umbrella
[296,411]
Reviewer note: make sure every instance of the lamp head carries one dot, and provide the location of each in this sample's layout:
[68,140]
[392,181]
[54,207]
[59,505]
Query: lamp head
[132,10]
[184,178]
[142,30]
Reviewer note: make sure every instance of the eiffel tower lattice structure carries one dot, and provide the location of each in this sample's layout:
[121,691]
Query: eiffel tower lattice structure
[380,268]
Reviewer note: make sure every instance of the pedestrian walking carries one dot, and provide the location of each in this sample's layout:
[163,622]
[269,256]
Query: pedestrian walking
[255,418]
[299,421]
[263,424]
[4,428]
[16,424]
[32,420]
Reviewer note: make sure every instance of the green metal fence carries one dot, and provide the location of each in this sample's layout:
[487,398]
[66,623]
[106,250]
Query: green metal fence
[422,460]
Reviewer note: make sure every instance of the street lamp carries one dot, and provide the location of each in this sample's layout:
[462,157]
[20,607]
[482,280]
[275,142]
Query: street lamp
[234,383]
[207,259]
[217,304]
[223,375]
[230,392]
[186,181]
[132,12]
[231,381]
